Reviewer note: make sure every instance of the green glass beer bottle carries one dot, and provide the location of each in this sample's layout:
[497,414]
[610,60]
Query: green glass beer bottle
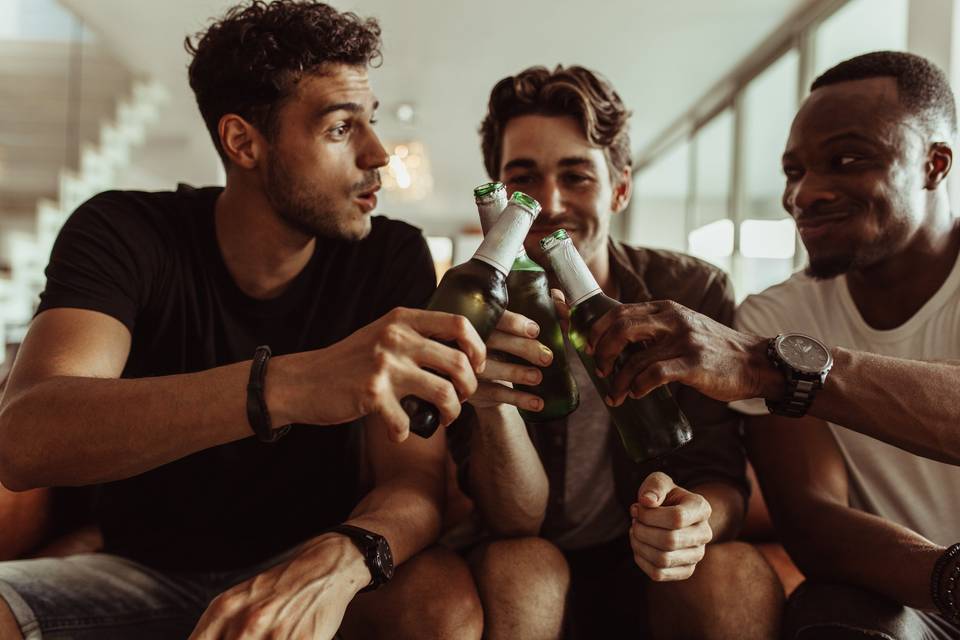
[649,427]
[477,290]
[529,295]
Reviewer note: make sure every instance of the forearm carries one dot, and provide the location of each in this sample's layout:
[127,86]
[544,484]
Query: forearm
[506,477]
[841,544]
[406,510]
[911,404]
[76,431]
[726,504]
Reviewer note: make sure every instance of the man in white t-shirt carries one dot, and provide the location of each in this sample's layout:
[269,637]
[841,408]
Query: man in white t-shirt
[856,457]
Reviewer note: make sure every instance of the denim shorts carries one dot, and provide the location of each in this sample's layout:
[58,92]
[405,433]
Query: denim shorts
[97,595]
[818,610]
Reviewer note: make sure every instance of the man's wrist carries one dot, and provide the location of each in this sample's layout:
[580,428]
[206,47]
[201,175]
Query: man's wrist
[770,381]
[349,566]
[276,391]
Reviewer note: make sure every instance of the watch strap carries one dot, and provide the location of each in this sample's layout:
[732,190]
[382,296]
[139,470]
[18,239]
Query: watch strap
[800,387]
[368,543]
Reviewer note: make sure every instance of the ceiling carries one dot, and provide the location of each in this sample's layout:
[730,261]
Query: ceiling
[444,56]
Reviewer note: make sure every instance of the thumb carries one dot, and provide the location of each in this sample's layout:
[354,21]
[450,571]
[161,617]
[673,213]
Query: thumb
[654,489]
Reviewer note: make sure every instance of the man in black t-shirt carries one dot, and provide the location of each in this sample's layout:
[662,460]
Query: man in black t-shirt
[134,374]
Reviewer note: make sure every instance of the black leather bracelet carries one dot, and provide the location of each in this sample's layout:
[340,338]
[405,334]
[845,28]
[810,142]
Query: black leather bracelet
[257,414]
[944,598]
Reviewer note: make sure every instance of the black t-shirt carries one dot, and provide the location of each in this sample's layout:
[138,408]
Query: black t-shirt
[152,261]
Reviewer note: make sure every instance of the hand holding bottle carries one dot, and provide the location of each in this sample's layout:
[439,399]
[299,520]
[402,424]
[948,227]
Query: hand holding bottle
[515,335]
[680,345]
[366,373]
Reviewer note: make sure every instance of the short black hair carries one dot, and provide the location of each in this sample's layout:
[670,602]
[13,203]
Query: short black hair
[922,86]
[251,60]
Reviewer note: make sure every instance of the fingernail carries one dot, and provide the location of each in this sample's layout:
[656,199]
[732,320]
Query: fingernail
[608,400]
[546,356]
[600,373]
[650,495]
[535,405]
[483,365]
[533,330]
[533,377]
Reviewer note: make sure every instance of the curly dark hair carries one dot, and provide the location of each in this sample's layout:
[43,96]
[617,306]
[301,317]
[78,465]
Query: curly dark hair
[923,89]
[251,60]
[566,91]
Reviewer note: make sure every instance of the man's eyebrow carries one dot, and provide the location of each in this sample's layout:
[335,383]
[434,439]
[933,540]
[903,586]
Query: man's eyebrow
[520,163]
[352,107]
[527,163]
[843,136]
[849,135]
[574,161]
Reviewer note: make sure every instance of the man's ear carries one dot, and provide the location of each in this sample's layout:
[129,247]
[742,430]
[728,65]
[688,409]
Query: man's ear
[241,142]
[622,190]
[939,163]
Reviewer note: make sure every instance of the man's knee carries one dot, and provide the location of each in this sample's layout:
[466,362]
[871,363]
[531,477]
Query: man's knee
[432,596]
[523,586]
[733,593]
[521,567]
[8,624]
[739,563]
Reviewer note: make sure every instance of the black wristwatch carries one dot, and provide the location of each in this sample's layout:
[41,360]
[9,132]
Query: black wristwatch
[805,363]
[375,550]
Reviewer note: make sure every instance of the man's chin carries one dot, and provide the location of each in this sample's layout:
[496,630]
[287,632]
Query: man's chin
[828,267]
[357,230]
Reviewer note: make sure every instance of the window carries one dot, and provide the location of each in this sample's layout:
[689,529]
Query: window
[658,214]
[858,27]
[767,236]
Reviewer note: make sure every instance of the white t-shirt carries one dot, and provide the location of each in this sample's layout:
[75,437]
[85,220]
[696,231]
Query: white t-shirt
[918,493]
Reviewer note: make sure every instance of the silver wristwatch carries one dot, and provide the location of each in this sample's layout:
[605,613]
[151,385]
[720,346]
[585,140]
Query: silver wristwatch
[805,363]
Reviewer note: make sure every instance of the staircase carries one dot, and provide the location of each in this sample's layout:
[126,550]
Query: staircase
[70,115]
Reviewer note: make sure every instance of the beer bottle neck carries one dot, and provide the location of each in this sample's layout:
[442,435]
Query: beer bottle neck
[505,238]
[490,212]
[577,282]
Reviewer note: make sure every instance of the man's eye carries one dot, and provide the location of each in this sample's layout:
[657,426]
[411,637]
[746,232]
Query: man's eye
[843,161]
[340,130]
[792,173]
[519,180]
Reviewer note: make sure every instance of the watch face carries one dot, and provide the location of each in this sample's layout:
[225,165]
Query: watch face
[803,353]
[385,559]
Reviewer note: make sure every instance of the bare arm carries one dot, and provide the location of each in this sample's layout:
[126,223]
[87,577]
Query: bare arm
[910,404]
[66,418]
[726,504]
[506,477]
[804,481]
[508,481]
[405,505]
[307,595]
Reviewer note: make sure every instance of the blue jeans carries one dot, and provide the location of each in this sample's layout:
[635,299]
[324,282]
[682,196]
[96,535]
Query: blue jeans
[819,611]
[97,595]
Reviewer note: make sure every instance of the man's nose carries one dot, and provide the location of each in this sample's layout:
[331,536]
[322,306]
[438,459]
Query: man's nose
[551,199]
[806,193]
[373,155]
